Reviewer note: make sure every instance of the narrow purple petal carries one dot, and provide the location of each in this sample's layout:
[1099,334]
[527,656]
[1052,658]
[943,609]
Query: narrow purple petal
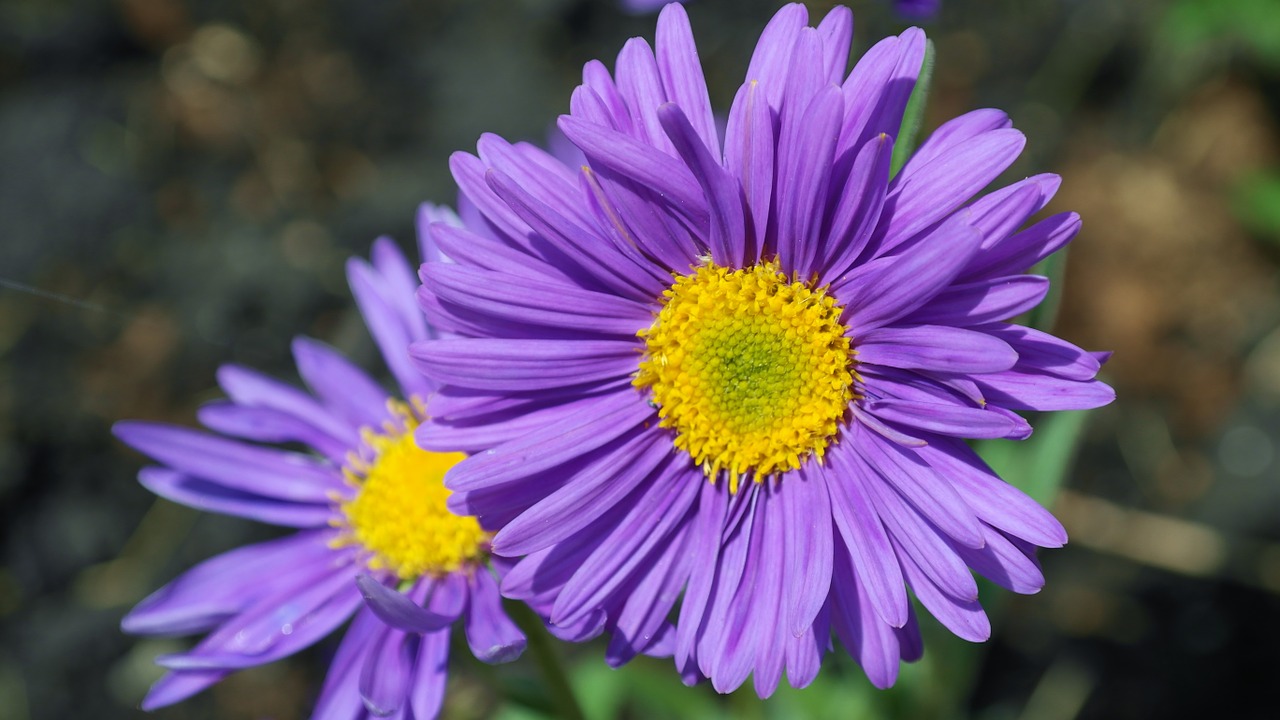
[1041,351]
[964,617]
[542,302]
[1003,564]
[490,633]
[340,695]
[1026,248]
[265,424]
[387,324]
[749,157]
[180,685]
[920,196]
[386,673]
[1017,389]
[397,610]
[581,500]
[507,364]
[869,640]
[804,163]
[681,74]
[769,63]
[864,536]
[723,200]
[995,501]
[267,472]
[601,420]
[426,693]
[858,205]
[340,384]
[639,83]
[218,588]
[915,539]
[935,347]
[704,545]
[836,30]
[807,541]
[250,387]
[985,301]
[212,497]
[883,290]
[946,419]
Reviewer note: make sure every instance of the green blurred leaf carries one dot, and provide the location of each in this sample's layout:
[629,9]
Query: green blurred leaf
[1256,201]
[908,133]
[1191,24]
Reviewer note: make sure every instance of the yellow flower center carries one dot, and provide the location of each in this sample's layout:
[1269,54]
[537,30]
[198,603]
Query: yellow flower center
[398,514]
[754,372]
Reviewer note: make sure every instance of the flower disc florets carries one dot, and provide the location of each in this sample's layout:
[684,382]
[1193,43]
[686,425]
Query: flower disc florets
[753,371]
[399,514]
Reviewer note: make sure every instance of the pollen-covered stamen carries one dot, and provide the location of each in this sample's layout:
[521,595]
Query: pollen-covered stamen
[398,515]
[754,372]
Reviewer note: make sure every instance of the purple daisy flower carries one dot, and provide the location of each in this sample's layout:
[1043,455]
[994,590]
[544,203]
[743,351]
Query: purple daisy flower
[739,374]
[370,508]
[921,9]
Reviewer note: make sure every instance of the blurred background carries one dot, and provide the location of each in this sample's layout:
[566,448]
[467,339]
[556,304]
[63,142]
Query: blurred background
[182,180]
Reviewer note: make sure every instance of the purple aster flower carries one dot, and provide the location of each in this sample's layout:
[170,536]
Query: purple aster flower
[921,9]
[638,7]
[739,373]
[370,509]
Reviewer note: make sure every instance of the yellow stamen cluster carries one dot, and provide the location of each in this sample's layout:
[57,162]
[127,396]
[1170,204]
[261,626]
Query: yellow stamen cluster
[398,514]
[753,371]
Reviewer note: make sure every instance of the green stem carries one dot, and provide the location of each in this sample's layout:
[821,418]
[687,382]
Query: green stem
[548,662]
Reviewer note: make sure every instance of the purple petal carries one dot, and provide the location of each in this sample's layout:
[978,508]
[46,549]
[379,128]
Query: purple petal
[807,541]
[655,511]
[917,540]
[601,420]
[212,497]
[804,171]
[704,545]
[542,302]
[923,194]
[681,73]
[507,364]
[1025,249]
[996,502]
[770,62]
[930,494]
[178,686]
[869,640]
[857,208]
[748,156]
[218,588]
[953,133]
[885,289]
[397,610]
[836,30]
[986,301]
[577,504]
[1003,564]
[250,387]
[722,196]
[340,695]
[864,536]
[386,673]
[964,617]
[387,324]
[1019,390]
[426,693]
[937,348]
[490,633]
[266,472]
[340,384]
[946,419]
[265,424]
[1043,352]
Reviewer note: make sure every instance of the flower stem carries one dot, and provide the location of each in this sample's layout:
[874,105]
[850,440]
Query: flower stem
[548,662]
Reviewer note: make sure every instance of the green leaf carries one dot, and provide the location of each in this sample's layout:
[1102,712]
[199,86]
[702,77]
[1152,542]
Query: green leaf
[908,133]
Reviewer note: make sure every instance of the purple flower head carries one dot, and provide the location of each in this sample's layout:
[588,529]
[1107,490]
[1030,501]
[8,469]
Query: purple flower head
[920,9]
[375,540]
[739,372]
[639,7]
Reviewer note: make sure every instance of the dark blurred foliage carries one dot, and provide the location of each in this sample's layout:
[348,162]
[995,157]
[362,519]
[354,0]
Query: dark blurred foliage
[182,180]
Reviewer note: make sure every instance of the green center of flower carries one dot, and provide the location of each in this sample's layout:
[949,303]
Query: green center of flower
[753,372]
[398,514]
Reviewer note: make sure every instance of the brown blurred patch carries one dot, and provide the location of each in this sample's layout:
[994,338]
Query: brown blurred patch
[1162,273]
